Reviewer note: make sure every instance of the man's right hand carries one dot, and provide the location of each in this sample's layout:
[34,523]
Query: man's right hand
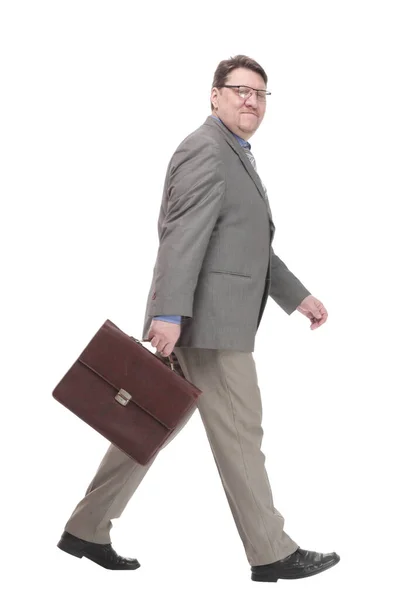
[163,335]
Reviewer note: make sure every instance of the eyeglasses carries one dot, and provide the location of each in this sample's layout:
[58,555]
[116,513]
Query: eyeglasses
[245,92]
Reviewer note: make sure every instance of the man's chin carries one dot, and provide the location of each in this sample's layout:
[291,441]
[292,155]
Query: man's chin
[247,129]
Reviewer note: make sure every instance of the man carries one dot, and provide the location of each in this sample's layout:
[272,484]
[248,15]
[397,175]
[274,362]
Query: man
[214,271]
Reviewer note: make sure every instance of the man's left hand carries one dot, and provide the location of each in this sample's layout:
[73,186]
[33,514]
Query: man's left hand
[314,310]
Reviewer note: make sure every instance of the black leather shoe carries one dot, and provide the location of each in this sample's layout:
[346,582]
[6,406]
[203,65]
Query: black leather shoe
[302,563]
[102,554]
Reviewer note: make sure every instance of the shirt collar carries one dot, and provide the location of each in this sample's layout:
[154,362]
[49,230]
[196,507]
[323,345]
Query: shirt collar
[241,141]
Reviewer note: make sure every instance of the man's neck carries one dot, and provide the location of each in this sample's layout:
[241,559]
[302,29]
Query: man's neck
[213,114]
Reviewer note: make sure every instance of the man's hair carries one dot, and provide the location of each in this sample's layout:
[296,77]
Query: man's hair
[235,62]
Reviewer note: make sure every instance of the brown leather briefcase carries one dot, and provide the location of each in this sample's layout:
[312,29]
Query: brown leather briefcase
[126,392]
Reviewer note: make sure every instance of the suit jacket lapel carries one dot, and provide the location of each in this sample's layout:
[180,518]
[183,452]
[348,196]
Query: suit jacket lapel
[236,147]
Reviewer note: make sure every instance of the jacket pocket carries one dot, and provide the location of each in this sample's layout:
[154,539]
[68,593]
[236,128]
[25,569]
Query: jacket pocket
[231,273]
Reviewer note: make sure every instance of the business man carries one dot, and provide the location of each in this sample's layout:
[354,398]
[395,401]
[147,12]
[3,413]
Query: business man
[214,271]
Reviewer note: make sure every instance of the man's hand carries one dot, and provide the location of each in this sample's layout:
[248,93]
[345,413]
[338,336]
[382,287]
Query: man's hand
[314,310]
[163,336]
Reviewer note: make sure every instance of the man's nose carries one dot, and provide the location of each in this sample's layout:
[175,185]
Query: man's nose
[252,100]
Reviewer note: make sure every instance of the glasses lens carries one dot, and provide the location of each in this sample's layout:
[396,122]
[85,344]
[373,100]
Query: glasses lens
[244,92]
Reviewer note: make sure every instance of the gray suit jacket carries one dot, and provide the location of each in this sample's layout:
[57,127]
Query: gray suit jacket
[215,264]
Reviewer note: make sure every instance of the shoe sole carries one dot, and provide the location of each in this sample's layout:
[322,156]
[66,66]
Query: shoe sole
[273,577]
[76,549]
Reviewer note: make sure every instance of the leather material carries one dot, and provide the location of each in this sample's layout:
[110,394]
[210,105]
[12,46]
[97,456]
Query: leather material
[102,554]
[115,364]
[302,563]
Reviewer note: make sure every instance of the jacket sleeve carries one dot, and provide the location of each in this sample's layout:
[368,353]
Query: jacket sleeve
[287,291]
[195,193]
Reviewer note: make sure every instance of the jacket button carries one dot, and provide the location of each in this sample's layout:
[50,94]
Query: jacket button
[153,296]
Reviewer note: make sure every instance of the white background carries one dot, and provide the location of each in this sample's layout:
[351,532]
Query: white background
[95,98]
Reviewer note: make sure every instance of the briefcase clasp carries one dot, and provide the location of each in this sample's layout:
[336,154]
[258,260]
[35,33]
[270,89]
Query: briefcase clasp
[123,397]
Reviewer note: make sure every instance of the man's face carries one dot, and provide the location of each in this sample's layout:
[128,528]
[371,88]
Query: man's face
[241,116]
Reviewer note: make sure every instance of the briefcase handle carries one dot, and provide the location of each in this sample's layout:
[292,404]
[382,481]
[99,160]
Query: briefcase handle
[171,362]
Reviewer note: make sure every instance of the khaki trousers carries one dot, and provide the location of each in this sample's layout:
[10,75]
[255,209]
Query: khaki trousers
[231,410]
